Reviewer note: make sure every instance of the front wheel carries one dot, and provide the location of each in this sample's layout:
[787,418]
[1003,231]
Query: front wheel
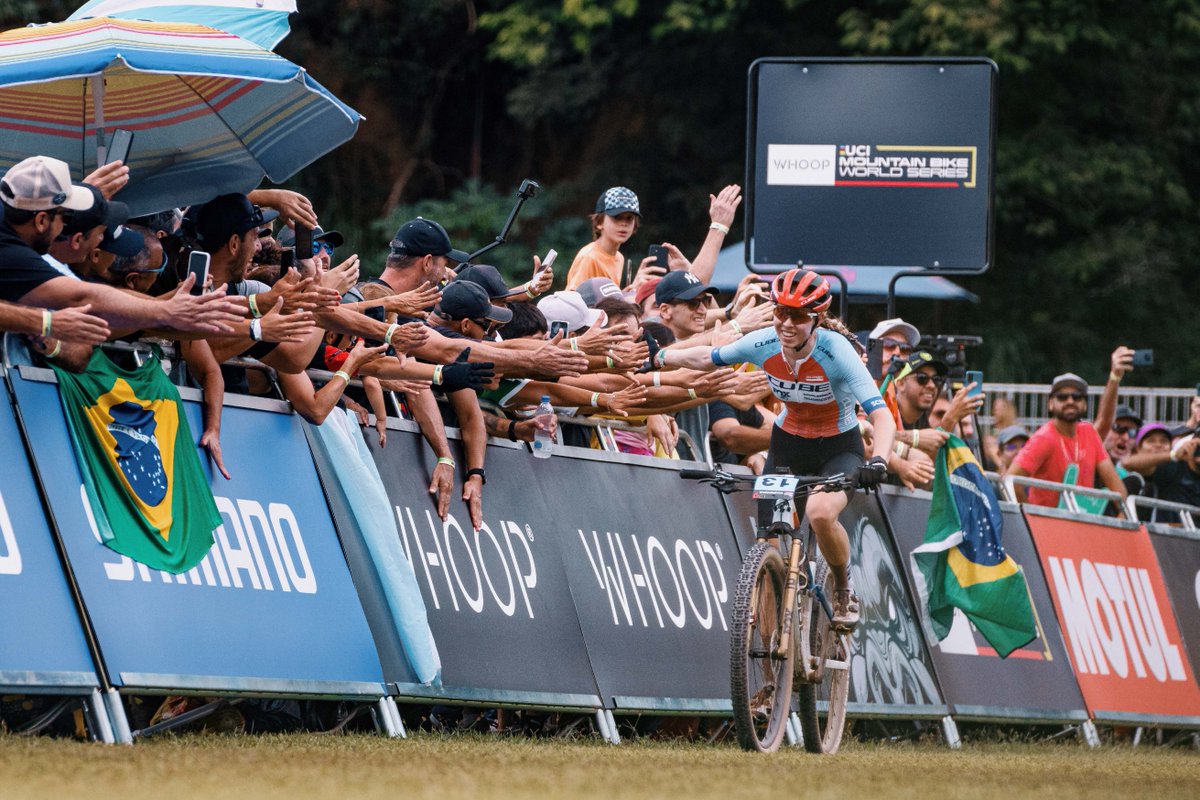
[760,680]
[825,662]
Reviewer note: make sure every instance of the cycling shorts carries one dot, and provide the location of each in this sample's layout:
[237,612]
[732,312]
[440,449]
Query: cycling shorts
[799,455]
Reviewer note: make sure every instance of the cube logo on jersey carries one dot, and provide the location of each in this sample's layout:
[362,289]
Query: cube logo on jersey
[819,391]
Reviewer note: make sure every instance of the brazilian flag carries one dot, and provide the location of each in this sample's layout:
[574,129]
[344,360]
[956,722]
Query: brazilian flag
[962,563]
[148,493]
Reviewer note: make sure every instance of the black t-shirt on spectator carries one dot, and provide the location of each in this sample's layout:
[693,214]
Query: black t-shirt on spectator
[1175,482]
[718,410]
[21,269]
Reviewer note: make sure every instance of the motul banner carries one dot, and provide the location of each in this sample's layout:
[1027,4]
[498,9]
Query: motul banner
[1035,681]
[1115,614]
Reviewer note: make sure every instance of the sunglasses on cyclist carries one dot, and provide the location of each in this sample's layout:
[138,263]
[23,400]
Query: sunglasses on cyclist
[1063,397]
[1124,430]
[794,315]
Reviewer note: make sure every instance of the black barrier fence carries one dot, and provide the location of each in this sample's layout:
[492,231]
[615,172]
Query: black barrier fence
[1178,554]
[1035,683]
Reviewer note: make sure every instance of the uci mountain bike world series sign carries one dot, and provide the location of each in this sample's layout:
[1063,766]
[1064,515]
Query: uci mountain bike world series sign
[870,163]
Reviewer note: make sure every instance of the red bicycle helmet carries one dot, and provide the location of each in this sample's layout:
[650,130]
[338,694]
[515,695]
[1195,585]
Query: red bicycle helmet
[801,288]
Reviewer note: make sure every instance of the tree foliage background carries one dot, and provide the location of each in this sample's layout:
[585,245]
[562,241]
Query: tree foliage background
[1096,175]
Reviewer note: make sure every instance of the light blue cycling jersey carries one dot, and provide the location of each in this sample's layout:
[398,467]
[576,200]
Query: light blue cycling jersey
[819,397]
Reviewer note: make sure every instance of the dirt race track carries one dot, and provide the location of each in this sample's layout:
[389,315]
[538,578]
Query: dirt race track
[474,766]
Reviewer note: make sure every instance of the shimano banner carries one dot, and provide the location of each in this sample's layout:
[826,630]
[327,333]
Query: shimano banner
[42,646]
[271,607]
[497,598]
[1035,682]
[1116,617]
[854,162]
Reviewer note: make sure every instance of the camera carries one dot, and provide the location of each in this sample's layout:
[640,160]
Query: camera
[951,350]
[528,188]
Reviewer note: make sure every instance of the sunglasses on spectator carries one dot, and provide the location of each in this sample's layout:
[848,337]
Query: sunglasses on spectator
[899,344]
[65,213]
[923,379]
[794,315]
[319,246]
[1124,430]
[487,325]
[1065,396]
[692,304]
[1014,446]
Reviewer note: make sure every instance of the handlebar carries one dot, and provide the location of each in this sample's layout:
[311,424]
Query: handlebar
[727,482]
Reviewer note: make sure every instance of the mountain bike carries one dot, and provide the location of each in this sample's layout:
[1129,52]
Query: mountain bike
[780,630]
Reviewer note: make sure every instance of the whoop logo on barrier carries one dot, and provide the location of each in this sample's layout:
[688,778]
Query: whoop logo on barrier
[801,164]
[1112,605]
[472,566]
[678,582]
[236,559]
[10,554]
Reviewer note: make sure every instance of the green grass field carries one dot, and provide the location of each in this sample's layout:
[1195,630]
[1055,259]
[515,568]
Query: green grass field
[473,766]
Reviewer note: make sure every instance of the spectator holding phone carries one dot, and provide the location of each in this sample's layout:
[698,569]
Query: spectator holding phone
[617,217]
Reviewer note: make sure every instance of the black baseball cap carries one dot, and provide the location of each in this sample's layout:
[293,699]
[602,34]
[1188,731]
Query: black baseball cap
[923,358]
[122,241]
[1125,412]
[424,237]
[224,216]
[287,236]
[488,277]
[680,286]
[468,300]
[109,213]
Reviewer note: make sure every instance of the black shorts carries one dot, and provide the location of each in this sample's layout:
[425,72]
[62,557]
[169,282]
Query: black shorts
[824,456]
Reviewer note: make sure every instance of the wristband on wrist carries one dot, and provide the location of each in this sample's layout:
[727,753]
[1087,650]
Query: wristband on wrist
[729,313]
[691,394]
[716,226]
[595,401]
[1114,377]
[256,330]
[387,337]
[574,343]
[609,361]
[57,349]
[341,373]
[478,471]
[47,321]
[658,379]
[437,375]
[660,358]
[512,430]
[254,312]
[529,292]
[736,326]
[916,438]
[449,462]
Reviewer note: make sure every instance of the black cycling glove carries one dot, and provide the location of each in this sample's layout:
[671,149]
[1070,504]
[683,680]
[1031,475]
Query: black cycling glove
[652,344]
[463,375]
[872,473]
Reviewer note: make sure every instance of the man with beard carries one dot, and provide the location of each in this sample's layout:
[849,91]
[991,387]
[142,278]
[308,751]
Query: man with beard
[1065,442]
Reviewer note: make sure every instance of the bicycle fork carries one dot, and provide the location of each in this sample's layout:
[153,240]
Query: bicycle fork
[795,583]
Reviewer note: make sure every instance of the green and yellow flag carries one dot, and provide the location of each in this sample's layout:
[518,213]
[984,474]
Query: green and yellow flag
[138,459]
[962,563]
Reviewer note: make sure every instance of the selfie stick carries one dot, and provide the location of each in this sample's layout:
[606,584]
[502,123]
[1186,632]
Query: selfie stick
[529,188]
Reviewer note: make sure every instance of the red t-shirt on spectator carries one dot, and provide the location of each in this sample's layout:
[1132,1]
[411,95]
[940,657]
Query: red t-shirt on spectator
[1047,453]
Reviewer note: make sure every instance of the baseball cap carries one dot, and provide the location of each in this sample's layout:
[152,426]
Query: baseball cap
[468,300]
[109,213]
[618,200]
[645,290]
[923,358]
[224,216]
[424,237]
[679,286]
[287,236]
[41,183]
[1151,428]
[488,277]
[1006,435]
[568,307]
[1125,412]
[1068,379]
[909,332]
[593,290]
[121,241]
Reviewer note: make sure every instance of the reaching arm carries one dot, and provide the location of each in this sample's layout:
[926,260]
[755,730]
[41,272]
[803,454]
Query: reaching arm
[207,372]
[1120,364]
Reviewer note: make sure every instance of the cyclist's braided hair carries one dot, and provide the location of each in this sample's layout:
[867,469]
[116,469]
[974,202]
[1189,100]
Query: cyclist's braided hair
[834,324]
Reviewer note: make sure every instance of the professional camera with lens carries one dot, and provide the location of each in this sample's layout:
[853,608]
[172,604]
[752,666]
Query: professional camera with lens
[951,350]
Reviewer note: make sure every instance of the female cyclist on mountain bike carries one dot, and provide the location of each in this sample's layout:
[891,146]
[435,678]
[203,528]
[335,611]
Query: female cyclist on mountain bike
[814,369]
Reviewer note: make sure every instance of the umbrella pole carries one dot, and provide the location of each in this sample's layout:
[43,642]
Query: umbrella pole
[98,107]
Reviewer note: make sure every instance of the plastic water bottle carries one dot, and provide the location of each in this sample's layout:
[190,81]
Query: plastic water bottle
[543,442]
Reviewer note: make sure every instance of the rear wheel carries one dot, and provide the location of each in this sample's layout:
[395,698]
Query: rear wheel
[825,662]
[760,681]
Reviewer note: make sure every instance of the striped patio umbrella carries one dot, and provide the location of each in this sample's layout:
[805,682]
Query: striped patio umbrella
[211,113]
[264,22]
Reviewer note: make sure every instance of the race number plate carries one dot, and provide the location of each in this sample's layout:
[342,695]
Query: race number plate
[775,487]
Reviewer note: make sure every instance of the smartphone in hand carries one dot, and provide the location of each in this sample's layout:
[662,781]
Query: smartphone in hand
[1143,358]
[304,242]
[659,254]
[548,261]
[198,261]
[118,147]
[976,377]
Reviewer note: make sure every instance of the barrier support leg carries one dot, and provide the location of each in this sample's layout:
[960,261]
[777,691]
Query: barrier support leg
[602,725]
[791,731]
[1087,731]
[614,735]
[116,712]
[950,733]
[98,716]
[383,719]
[398,721]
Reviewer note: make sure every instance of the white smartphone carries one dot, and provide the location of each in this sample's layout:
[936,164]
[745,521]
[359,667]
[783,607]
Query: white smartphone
[198,265]
[548,261]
